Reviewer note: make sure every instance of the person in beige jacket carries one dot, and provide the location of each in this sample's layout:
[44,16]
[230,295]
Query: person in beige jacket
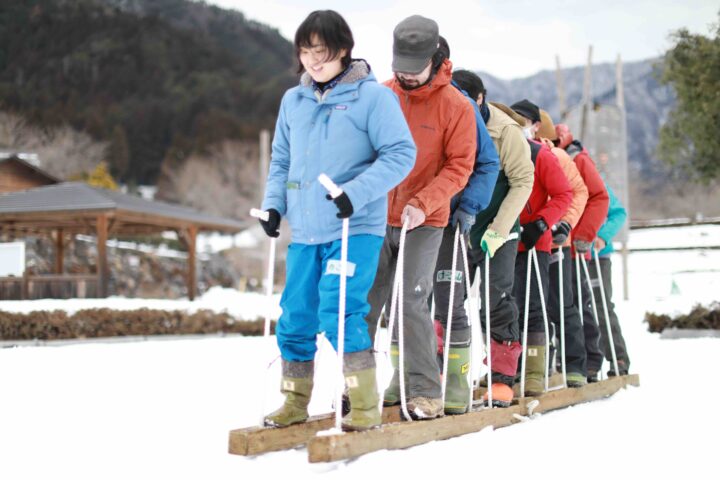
[575,356]
[496,232]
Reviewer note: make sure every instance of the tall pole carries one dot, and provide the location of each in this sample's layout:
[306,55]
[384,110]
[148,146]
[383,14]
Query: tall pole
[620,100]
[560,80]
[587,94]
[264,167]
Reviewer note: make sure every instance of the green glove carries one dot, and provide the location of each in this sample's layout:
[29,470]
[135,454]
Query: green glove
[491,241]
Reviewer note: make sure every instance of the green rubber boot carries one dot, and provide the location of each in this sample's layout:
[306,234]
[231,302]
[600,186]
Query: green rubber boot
[297,385]
[457,391]
[392,392]
[361,384]
[534,371]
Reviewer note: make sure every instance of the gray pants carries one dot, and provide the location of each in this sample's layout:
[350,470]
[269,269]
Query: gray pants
[461,331]
[618,340]
[421,250]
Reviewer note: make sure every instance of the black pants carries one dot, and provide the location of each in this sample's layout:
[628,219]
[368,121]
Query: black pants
[461,332]
[575,356]
[618,340]
[536,323]
[590,325]
[504,313]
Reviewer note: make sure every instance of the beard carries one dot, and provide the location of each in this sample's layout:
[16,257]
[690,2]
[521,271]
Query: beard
[406,84]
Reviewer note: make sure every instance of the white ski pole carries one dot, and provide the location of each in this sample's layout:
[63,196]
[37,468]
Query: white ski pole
[263,215]
[561,256]
[592,299]
[335,192]
[541,291]
[605,311]
[525,326]
[448,326]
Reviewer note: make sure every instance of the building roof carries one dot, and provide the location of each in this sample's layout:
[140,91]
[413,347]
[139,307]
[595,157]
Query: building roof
[67,204]
[25,160]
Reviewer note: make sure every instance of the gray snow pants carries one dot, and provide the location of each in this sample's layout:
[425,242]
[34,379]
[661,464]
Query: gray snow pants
[421,250]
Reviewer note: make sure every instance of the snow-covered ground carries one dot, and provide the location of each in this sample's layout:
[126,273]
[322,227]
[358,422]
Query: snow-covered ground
[163,409]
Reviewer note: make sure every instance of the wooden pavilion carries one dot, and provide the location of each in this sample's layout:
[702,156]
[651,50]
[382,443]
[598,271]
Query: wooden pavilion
[70,208]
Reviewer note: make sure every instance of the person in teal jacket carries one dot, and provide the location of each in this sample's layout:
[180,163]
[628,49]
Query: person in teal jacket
[341,122]
[616,217]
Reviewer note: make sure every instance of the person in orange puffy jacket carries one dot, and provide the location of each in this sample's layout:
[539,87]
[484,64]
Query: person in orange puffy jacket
[583,236]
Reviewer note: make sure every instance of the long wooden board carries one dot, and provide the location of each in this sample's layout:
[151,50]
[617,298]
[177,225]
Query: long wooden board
[330,448]
[257,440]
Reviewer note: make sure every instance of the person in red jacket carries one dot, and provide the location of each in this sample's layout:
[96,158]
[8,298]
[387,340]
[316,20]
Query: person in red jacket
[583,236]
[549,201]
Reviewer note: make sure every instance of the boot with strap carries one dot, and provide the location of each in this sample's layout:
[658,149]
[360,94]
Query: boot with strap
[457,389]
[361,384]
[535,371]
[297,385]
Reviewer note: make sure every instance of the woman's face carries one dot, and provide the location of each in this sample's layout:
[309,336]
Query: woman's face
[314,59]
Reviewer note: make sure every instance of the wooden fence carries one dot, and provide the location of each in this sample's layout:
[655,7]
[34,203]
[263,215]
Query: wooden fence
[33,287]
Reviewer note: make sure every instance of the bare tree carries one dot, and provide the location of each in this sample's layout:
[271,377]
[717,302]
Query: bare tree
[222,182]
[63,151]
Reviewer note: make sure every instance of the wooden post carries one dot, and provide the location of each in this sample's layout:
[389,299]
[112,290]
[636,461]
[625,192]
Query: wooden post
[102,265]
[560,88]
[59,251]
[587,96]
[190,241]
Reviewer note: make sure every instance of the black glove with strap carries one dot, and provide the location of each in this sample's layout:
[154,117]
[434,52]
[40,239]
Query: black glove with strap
[272,225]
[343,203]
[561,230]
[531,232]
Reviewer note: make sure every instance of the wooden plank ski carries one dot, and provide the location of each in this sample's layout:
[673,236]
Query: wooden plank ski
[257,440]
[554,382]
[330,448]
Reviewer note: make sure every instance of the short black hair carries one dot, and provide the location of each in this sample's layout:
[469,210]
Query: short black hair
[470,82]
[332,29]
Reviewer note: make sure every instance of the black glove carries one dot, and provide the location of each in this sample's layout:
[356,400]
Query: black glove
[272,225]
[343,203]
[561,230]
[531,232]
[581,246]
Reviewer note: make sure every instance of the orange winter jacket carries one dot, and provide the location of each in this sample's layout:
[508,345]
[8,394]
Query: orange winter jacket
[442,123]
[580,191]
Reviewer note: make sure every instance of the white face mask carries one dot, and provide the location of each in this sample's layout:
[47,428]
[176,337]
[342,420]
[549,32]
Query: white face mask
[528,132]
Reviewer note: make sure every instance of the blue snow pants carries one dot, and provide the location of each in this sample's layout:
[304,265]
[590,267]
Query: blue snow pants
[311,297]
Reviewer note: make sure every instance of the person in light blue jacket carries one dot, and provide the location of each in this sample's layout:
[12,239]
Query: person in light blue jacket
[616,217]
[338,121]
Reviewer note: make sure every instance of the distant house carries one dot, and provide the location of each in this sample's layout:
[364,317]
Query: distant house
[17,174]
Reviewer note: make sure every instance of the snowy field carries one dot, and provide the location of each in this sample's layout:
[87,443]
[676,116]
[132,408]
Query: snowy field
[155,409]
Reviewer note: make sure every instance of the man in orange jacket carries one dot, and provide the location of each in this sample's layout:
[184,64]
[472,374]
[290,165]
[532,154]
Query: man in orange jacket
[442,123]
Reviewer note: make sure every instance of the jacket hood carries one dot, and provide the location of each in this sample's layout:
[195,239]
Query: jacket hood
[358,70]
[510,113]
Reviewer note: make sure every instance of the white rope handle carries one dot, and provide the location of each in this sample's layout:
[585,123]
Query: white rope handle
[606,312]
[401,319]
[335,192]
[525,326]
[561,255]
[487,329]
[448,326]
[472,312]
[592,299]
[264,215]
[541,291]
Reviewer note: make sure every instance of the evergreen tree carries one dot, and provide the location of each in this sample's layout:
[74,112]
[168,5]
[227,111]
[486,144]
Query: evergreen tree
[691,137]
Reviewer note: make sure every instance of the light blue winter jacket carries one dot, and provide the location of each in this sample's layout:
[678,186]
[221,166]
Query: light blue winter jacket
[356,134]
[613,223]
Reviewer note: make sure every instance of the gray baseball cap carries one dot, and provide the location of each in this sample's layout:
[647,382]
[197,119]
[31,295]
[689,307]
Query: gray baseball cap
[415,41]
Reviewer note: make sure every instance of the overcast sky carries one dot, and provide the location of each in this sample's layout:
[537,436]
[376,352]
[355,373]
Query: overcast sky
[507,38]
